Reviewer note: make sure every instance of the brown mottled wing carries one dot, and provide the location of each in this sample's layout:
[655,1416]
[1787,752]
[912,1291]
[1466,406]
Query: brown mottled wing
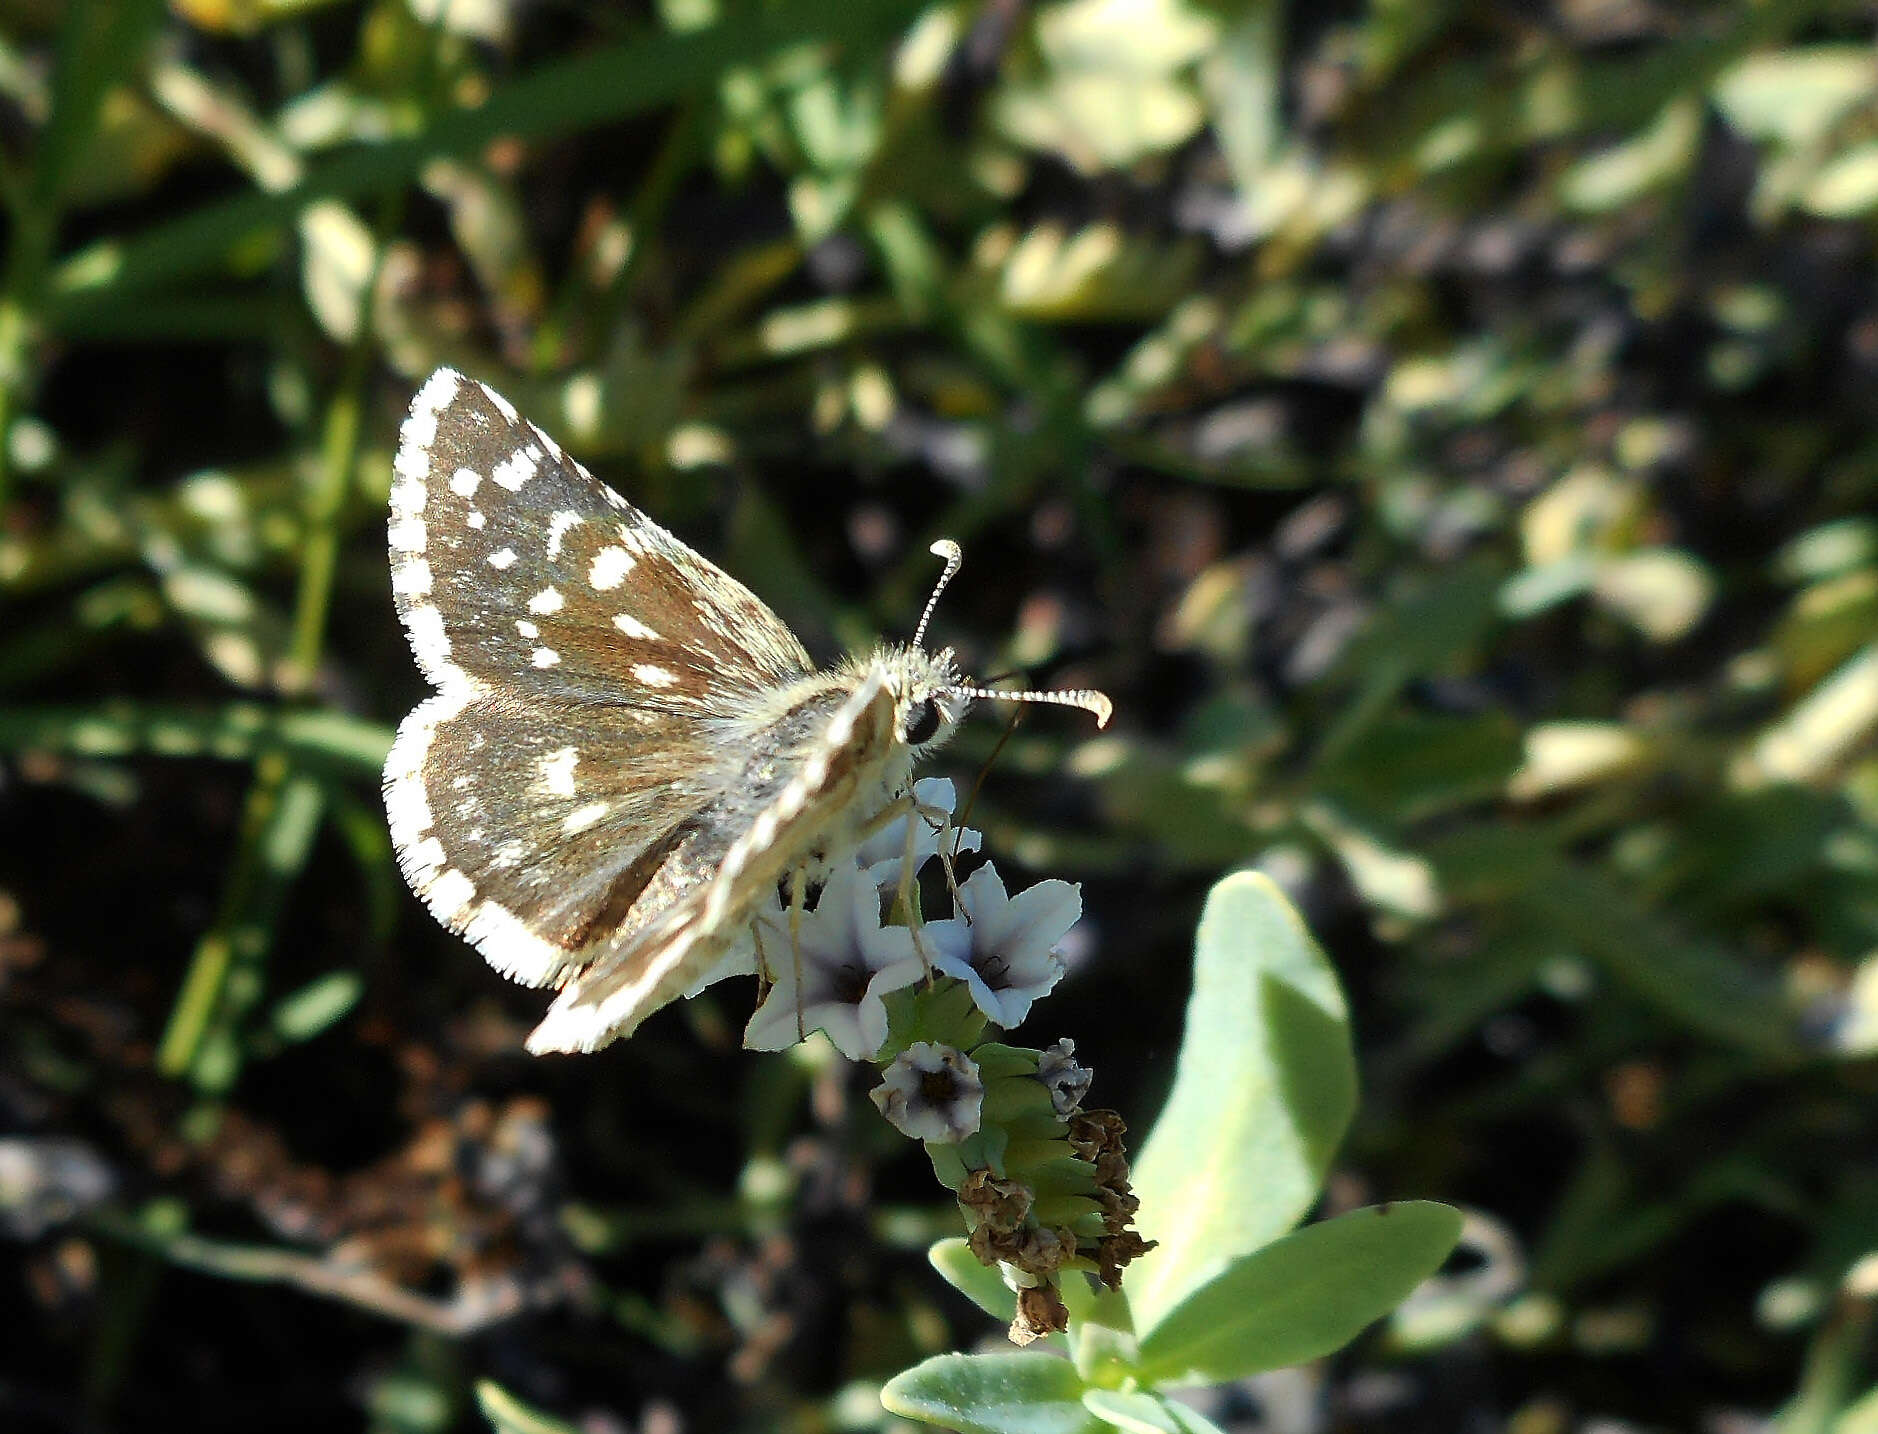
[582,657]
[655,964]
[512,565]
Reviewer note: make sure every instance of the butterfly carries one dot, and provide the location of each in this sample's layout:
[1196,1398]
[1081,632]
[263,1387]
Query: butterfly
[627,753]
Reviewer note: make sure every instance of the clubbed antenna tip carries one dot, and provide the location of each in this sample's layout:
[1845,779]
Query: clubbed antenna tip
[1087,698]
[951,552]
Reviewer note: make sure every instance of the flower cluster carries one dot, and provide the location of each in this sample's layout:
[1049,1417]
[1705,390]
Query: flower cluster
[1043,1183]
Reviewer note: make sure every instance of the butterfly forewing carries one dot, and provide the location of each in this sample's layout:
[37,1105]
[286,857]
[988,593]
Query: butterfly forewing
[512,564]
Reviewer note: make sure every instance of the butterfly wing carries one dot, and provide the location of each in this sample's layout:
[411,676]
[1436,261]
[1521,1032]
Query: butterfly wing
[839,763]
[549,797]
[511,562]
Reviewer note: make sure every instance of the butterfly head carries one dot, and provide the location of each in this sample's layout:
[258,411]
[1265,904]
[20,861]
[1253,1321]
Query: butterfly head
[928,698]
[932,697]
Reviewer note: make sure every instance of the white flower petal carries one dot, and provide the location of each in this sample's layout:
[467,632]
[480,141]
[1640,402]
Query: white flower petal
[847,963]
[882,854]
[1034,920]
[932,1092]
[1008,959]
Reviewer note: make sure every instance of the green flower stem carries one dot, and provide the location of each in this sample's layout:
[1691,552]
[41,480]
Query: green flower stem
[282,812]
[279,819]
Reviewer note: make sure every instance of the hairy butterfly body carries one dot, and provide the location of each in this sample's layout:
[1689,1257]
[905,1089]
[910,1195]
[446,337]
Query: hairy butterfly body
[627,750]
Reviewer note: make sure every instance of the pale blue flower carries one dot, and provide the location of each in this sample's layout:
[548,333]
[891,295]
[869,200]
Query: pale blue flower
[849,961]
[882,853]
[1004,947]
[932,1092]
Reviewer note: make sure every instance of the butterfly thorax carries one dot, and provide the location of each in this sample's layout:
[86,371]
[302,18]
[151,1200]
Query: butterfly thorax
[785,727]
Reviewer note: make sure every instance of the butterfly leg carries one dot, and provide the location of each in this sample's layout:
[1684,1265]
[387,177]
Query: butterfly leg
[765,972]
[798,897]
[940,820]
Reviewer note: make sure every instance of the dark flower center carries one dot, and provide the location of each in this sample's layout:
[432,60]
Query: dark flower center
[849,982]
[938,1087]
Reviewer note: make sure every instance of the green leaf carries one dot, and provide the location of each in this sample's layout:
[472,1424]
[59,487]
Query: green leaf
[1301,1297]
[508,1415]
[1244,83]
[237,731]
[1797,95]
[303,1014]
[1860,1416]
[979,1283]
[98,47]
[1145,1413]
[1101,1332]
[1696,982]
[1265,1088]
[992,1394]
[1418,634]
[1410,765]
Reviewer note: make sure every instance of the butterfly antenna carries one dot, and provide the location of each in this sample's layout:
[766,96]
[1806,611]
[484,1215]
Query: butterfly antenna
[1088,699]
[949,550]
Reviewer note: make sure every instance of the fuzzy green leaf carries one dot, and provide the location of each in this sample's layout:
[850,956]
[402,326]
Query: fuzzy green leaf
[1301,1297]
[992,1394]
[1146,1413]
[1265,1088]
[980,1284]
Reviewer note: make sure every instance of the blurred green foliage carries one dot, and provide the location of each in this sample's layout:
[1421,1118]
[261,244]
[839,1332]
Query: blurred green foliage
[1445,430]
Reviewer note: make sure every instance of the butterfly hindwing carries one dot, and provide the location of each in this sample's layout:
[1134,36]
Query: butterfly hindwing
[744,857]
[534,832]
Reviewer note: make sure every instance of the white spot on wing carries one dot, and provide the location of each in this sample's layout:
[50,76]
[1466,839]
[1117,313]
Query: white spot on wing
[508,945]
[420,425]
[632,627]
[610,566]
[544,657]
[428,640]
[465,481]
[412,465]
[653,676]
[557,772]
[476,518]
[527,628]
[517,468]
[558,527]
[578,820]
[450,891]
[546,601]
[501,558]
[407,536]
[502,405]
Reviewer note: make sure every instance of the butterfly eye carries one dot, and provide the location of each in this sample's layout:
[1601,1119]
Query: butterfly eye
[922,720]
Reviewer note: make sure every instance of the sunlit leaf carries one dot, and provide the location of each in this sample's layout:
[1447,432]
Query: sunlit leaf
[992,1394]
[1266,1085]
[1300,1297]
